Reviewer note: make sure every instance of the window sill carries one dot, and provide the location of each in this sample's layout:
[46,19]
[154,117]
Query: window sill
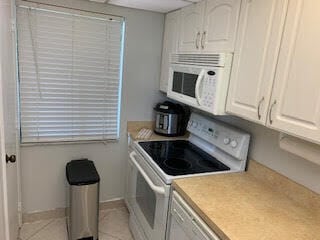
[105,142]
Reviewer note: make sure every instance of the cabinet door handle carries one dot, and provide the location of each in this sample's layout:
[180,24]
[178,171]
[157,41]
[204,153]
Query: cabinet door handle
[259,106]
[203,38]
[197,40]
[270,111]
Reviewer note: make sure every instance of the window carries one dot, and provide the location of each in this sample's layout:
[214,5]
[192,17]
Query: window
[70,70]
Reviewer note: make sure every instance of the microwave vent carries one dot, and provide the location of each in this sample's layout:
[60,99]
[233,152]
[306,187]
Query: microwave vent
[214,60]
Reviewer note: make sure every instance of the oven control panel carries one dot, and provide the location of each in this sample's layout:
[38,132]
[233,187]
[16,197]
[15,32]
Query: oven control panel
[228,138]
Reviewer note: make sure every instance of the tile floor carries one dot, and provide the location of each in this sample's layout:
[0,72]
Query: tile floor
[113,225]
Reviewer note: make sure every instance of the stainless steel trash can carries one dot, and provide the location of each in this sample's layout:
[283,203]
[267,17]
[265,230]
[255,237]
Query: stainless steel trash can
[82,200]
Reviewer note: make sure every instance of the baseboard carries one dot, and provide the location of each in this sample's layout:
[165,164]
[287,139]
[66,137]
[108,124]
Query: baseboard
[43,215]
[61,212]
[115,203]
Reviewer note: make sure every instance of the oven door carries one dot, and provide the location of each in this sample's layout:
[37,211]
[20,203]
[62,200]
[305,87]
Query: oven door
[147,197]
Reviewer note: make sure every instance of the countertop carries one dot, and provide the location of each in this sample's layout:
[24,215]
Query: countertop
[256,205]
[133,128]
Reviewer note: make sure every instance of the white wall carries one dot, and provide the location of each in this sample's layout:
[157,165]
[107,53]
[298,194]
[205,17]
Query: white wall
[265,149]
[43,167]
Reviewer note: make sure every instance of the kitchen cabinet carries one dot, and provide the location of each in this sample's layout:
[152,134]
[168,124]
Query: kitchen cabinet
[255,58]
[191,26]
[220,25]
[295,102]
[170,45]
[275,79]
[209,26]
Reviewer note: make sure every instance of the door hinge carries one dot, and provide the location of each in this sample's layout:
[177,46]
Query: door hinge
[20,213]
[13,25]
[19,207]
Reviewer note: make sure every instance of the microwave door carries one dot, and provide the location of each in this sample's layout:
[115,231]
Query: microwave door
[184,83]
[199,86]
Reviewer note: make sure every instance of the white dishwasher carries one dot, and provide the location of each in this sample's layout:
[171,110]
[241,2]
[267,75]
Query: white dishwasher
[186,224]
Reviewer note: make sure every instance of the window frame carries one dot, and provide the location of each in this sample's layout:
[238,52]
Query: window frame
[85,13]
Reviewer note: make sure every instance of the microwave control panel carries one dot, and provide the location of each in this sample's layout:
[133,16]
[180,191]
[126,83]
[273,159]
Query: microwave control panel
[208,89]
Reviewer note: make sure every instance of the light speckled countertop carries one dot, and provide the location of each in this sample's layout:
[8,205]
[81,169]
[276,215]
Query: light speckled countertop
[256,205]
[133,128]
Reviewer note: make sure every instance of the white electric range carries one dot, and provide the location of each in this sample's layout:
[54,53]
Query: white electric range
[212,148]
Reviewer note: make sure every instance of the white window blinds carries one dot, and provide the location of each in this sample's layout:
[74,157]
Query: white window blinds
[70,75]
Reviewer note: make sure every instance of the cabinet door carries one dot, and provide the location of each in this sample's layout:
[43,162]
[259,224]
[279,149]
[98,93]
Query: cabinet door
[191,26]
[295,103]
[255,58]
[170,45]
[220,25]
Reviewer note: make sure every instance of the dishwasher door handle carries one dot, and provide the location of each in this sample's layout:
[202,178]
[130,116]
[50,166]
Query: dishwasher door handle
[178,215]
[157,189]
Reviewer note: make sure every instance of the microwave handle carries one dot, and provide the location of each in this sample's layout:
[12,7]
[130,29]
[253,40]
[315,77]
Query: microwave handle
[157,189]
[198,83]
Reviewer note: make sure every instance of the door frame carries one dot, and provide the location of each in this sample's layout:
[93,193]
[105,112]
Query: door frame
[4,221]
[17,117]
[5,233]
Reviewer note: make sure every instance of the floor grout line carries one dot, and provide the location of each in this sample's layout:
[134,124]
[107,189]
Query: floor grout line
[110,235]
[43,227]
[108,211]
[106,232]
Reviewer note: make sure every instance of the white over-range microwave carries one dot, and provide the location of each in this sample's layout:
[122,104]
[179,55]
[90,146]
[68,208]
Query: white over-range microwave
[200,80]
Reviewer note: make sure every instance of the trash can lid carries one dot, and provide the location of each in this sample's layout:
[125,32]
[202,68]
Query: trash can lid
[81,172]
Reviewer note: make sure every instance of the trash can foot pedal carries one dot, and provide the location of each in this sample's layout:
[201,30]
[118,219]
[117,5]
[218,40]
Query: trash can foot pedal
[87,238]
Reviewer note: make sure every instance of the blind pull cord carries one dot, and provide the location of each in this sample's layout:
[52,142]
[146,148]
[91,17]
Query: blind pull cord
[34,53]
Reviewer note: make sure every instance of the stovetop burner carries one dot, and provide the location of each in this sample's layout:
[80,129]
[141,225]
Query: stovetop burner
[181,157]
[155,145]
[177,164]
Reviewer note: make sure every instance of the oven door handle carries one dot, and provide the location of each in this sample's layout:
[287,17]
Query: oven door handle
[198,83]
[157,189]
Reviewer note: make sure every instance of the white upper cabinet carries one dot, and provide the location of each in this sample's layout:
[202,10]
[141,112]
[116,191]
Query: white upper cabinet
[220,25]
[170,45]
[295,102]
[209,26]
[191,28]
[255,58]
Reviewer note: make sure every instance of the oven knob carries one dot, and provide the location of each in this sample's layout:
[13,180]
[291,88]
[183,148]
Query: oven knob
[226,141]
[194,124]
[234,143]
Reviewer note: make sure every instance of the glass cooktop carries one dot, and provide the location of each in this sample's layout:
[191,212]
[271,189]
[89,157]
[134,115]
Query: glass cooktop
[181,157]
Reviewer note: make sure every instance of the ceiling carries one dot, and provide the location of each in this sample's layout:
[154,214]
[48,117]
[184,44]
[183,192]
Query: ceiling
[162,6]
